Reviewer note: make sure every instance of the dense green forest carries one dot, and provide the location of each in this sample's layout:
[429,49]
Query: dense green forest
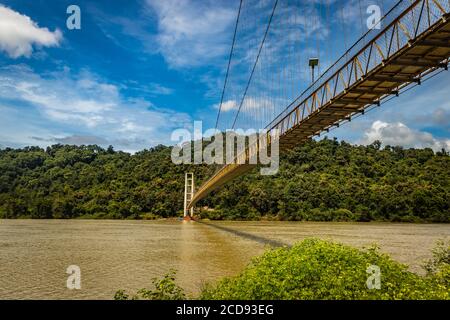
[323,181]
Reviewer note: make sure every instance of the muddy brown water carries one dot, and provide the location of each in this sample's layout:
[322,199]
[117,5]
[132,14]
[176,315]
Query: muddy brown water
[112,255]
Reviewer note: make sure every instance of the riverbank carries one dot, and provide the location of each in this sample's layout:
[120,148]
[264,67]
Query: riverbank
[107,217]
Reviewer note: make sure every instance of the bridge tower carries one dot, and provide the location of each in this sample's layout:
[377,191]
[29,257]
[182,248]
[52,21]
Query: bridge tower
[189,189]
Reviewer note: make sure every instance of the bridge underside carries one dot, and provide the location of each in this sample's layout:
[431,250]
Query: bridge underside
[409,65]
[323,109]
[224,175]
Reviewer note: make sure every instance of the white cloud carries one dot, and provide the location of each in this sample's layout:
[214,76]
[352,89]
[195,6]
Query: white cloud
[227,106]
[249,105]
[441,116]
[61,97]
[18,34]
[85,105]
[192,34]
[158,89]
[77,140]
[398,134]
[354,12]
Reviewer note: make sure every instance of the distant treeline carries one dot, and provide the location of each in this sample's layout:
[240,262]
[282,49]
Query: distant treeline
[320,181]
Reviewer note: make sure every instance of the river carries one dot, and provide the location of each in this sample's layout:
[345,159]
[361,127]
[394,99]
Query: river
[112,255]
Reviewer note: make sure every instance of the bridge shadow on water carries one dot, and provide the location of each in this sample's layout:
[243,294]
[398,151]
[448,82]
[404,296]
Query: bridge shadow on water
[246,235]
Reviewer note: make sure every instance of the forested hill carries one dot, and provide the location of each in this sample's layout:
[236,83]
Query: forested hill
[323,181]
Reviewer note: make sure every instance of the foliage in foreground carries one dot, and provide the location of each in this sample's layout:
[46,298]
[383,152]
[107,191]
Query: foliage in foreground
[318,181]
[164,289]
[316,269]
[439,266]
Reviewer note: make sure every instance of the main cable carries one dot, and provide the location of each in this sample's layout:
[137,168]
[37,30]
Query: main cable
[229,62]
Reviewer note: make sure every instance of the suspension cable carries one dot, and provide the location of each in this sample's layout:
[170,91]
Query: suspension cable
[256,62]
[229,62]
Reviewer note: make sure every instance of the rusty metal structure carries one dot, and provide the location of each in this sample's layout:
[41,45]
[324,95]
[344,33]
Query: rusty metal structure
[413,46]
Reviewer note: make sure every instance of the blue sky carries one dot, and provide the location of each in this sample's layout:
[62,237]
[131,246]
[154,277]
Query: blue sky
[137,70]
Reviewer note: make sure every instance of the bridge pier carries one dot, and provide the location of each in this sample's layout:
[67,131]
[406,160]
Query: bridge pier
[189,189]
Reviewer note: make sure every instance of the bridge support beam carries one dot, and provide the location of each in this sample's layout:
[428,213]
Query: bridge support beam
[189,189]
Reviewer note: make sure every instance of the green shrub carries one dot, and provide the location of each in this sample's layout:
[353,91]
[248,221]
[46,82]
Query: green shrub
[164,289]
[211,214]
[121,295]
[148,216]
[344,215]
[316,269]
[438,267]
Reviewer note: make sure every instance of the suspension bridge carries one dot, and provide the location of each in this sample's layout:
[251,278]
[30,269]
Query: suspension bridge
[267,84]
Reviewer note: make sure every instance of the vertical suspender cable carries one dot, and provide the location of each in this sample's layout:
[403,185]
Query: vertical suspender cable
[328,24]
